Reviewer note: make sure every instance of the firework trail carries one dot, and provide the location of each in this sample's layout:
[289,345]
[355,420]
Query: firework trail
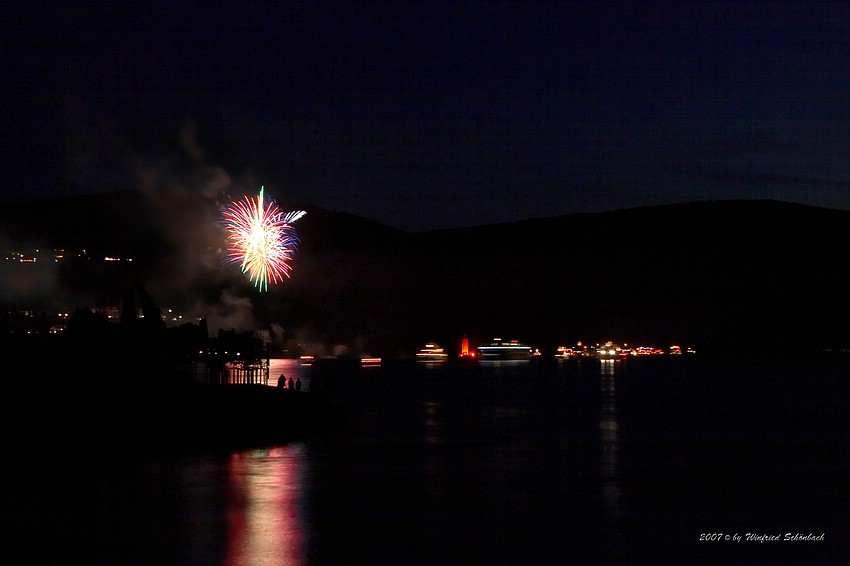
[261,238]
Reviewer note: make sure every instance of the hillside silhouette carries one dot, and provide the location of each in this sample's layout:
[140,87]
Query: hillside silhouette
[716,275]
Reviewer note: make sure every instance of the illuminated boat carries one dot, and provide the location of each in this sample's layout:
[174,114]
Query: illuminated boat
[611,351]
[431,353]
[565,352]
[572,352]
[500,349]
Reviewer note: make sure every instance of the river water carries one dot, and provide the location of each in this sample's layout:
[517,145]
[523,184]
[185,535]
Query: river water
[591,462]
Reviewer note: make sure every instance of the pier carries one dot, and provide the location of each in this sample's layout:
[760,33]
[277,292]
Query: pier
[253,373]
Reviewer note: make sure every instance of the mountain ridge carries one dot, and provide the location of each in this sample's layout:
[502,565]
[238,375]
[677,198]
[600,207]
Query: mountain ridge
[715,274]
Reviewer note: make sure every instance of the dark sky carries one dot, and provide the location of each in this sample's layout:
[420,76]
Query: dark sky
[434,114]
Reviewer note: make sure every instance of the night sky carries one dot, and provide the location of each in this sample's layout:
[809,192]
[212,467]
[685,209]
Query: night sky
[426,115]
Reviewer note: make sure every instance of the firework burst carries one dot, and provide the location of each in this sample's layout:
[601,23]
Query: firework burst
[261,239]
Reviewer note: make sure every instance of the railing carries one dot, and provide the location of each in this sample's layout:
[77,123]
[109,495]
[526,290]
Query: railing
[229,373]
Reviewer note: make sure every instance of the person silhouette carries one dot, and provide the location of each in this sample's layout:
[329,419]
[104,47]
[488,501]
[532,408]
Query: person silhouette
[298,384]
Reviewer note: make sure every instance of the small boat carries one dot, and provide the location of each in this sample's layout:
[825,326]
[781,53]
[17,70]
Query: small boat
[431,353]
[500,349]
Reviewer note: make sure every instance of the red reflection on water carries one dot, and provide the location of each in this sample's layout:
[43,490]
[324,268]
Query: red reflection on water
[264,523]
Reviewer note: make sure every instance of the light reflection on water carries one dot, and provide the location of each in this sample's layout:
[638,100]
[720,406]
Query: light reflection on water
[433,423]
[264,520]
[610,440]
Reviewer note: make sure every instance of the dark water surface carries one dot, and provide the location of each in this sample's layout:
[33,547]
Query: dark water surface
[589,462]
